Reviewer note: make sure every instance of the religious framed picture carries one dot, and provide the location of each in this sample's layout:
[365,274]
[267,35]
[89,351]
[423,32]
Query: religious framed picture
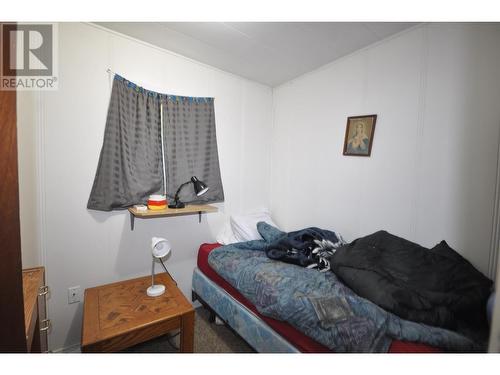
[359,135]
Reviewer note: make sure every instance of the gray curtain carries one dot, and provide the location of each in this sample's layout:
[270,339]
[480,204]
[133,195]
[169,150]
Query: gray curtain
[191,147]
[130,165]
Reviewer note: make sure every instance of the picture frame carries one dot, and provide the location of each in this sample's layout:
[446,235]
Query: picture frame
[359,134]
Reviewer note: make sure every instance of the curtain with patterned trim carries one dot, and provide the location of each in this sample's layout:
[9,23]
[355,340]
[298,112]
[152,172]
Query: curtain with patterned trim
[130,166]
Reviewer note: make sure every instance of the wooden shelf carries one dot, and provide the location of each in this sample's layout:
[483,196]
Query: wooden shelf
[188,210]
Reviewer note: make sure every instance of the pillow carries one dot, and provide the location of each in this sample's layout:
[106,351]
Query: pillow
[245,226]
[226,236]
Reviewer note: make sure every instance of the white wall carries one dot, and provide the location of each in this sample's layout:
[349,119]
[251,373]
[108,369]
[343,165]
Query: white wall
[28,206]
[432,172]
[89,248]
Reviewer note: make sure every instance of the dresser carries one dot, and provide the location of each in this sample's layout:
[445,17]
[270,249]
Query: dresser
[36,322]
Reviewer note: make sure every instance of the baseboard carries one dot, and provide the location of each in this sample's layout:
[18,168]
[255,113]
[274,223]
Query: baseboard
[69,349]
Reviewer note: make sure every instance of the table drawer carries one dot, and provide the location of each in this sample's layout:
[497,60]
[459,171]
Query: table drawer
[133,337]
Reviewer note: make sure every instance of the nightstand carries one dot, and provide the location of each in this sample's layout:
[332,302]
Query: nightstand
[119,315]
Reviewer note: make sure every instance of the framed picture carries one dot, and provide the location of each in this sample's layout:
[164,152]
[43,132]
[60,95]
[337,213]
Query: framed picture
[359,135]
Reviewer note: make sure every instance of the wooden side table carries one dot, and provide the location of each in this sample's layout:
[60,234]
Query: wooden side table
[119,315]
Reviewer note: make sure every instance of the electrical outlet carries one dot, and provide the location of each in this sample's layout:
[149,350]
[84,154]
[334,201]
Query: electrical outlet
[74,294]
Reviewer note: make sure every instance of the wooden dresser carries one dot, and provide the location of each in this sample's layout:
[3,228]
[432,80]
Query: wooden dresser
[35,315]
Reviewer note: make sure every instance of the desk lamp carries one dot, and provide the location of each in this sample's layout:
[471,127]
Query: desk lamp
[200,188]
[160,248]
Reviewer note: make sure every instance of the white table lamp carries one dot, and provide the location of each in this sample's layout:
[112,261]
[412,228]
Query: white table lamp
[160,248]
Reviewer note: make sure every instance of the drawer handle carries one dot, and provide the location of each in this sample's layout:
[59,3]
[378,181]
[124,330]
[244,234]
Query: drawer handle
[46,325]
[43,290]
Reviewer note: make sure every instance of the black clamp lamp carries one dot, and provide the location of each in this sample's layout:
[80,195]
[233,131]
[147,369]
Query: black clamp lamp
[200,188]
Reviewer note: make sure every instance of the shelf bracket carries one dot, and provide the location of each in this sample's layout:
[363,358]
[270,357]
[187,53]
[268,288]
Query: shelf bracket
[199,216]
[132,218]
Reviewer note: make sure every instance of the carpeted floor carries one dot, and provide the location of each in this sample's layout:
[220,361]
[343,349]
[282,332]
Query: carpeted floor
[208,338]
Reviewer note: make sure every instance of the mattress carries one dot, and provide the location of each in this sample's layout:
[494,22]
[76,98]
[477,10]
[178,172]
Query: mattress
[302,342]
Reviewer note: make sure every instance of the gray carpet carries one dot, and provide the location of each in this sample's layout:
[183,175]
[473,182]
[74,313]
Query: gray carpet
[208,338]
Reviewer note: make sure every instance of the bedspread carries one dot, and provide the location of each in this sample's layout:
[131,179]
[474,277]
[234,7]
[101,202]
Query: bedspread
[318,304]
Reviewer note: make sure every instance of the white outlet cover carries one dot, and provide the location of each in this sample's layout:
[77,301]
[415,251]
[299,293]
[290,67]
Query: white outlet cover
[74,294]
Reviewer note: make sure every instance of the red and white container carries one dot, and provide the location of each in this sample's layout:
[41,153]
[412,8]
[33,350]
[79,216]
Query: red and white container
[157,202]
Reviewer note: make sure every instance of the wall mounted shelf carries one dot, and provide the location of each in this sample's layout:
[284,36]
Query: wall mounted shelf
[190,209]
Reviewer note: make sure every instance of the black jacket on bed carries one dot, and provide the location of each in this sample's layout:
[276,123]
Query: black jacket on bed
[300,247]
[436,287]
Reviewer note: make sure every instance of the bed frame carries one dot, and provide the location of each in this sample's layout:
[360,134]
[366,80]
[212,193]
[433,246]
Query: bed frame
[241,320]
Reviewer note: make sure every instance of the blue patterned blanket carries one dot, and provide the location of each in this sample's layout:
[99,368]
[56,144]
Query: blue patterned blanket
[318,304]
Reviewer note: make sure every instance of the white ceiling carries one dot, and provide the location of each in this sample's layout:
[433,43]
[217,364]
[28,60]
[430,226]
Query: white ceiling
[268,52]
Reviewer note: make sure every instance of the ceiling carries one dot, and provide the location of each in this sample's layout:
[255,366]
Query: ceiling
[267,52]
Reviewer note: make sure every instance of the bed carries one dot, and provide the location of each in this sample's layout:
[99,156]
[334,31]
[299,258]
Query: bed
[263,333]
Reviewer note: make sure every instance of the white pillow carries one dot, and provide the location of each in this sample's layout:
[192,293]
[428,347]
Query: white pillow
[226,236]
[244,227]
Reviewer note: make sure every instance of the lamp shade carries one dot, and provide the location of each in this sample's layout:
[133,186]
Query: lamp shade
[200,187]
[160,247]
